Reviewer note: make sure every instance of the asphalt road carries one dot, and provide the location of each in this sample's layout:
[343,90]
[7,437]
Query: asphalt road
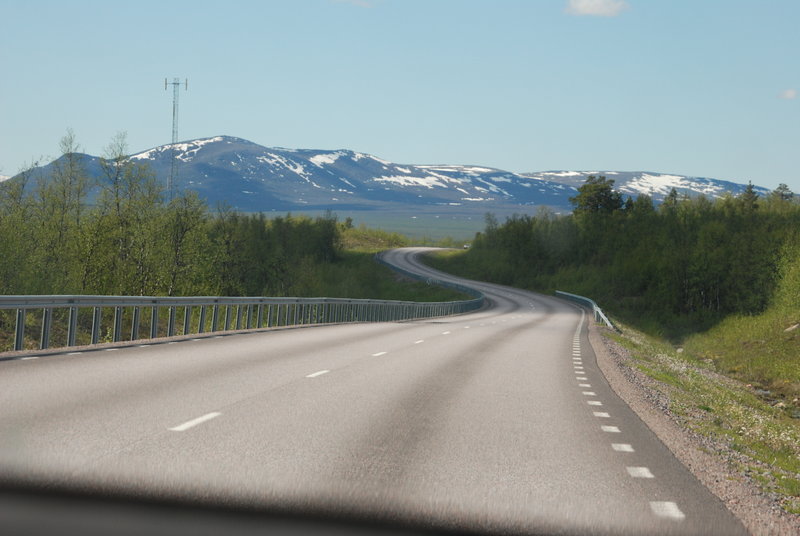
[496,421]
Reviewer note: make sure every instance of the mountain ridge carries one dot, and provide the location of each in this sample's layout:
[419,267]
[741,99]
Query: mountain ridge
[254,178]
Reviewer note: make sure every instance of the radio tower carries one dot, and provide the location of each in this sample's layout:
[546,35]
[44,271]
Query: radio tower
[173,170]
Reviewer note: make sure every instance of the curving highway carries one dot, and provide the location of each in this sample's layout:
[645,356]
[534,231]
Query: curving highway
[494,421]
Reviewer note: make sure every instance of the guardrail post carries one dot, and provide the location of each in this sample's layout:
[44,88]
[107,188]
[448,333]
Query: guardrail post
[202,327]
[187,319]
[72,326]
[214,317]
[259,315]
[47,320]
[116,334]
[19,331]
[239,316]
[154,322]
[227,317]
[171,322]
[97,316]
[135,324]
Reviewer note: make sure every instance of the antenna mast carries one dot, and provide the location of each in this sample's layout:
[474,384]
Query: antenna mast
[173,171]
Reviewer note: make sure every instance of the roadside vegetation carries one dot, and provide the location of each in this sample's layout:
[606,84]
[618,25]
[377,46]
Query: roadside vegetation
[708,293]
[133,240]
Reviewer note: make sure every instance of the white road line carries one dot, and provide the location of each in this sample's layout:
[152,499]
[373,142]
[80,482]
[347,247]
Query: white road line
[594,402]
[379,354]
[639,472]
[419,341]
[582,378]
[27,358]
[584,385]
[466,327]
[194,422]
[111,349]
[143,346]
[318,373]
[75,353]
[667,509]
[622,447]
[445,333]
[588,393]
[601,414]
[610,429]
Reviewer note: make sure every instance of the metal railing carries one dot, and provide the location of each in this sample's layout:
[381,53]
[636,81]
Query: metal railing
[598,313]
[125,317]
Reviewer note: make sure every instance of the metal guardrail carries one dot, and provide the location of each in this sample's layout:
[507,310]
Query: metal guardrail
[598,313]
[204,314]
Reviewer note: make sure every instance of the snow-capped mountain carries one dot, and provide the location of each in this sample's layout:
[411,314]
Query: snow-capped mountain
[656,185]
[251,177]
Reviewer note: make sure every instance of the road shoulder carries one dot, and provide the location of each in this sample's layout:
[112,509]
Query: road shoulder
[711,462]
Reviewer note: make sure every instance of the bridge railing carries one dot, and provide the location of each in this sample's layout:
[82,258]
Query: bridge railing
[93,319]
[599,316]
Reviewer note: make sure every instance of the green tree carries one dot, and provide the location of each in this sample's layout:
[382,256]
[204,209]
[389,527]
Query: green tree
[596,196]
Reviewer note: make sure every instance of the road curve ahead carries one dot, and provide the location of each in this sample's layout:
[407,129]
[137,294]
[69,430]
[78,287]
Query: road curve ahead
[497,421]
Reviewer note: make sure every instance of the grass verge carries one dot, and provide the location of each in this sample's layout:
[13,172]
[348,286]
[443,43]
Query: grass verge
[729,414]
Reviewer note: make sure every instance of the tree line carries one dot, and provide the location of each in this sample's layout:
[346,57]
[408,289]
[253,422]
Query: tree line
[682,265]
[131,239]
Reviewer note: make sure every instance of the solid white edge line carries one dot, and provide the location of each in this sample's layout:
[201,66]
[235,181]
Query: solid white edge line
[318,373]
[194,422]
[27,358]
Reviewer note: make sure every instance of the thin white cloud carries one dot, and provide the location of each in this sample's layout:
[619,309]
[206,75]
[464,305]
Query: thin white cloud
[788,94]
[596,8]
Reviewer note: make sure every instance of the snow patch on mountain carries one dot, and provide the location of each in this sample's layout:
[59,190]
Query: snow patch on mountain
[326,158]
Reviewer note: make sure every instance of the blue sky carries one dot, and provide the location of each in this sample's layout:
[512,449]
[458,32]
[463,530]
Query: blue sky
[697,87]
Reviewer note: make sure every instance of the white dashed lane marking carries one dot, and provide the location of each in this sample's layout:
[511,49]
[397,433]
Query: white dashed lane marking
[667,509]
[594,403]
[379,354]
[318,373]
[622,447]
[194,422]
[610,429]
[601,414]
[419,341]
[639,472]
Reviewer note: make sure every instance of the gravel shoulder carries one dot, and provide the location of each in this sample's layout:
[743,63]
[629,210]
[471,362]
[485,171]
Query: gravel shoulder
[713,463]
